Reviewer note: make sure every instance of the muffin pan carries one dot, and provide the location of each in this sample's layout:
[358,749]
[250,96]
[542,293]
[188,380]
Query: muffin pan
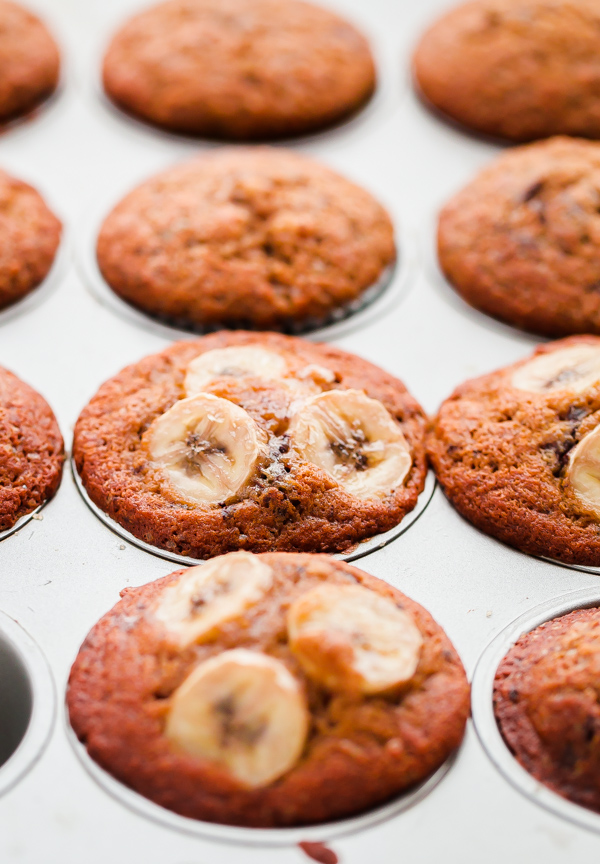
[27,704]
[60,575]
[378,300]
[265,837]
[483,712]
[372,544]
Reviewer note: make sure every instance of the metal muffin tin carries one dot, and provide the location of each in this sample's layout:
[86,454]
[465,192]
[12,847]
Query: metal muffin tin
[359,551]
[377,301]
[60,574]
[260,837]
[483,711]
[27,705]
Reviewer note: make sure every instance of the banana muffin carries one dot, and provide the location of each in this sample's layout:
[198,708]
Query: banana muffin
[30,238]
[517,451]
[522,241]
[515,69]
[247,237]
[29,61]
[546,704]
[268,690]
[257,442]
[239,69]
[31,450]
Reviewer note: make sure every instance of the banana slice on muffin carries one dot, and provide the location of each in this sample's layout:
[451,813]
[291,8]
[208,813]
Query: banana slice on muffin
[208,595]
[583,473]
[243,710]
[207,448]
[349,638]
[234,362]
[297,689]
[575,368]
[354,439]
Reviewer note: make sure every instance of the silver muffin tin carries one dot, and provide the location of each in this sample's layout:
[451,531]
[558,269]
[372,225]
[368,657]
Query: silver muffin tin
[60,573]
[483,711]
[372,544]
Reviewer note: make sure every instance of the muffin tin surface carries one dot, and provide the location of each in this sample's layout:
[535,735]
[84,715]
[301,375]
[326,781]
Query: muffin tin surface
[61,573]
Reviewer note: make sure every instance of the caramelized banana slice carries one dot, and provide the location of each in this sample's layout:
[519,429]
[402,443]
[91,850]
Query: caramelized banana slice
[237,362]
[209,595]
[244,711]
[355,439]
[583,473]
[207,447]
[574,369]
[349,638]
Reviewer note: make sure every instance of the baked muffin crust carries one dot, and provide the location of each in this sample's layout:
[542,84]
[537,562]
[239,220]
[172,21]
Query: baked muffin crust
[239,69]
[30,239]
[521,241]
[504,458]
[546,704]
[29,61]
[247,237]
[289,504]
[360,750]
[31,450]
[515,69]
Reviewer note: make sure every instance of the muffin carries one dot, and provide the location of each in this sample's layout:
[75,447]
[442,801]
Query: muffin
[30,238]
[546,704]
[257,442]
[252,238]
[268,690]
[31,450]
[239,69]
[517,451]
[515,69]
[522,241]
[29,61]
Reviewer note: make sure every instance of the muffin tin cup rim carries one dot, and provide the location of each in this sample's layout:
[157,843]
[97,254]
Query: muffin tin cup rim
[47,286]
[23,521]
[377,300]
[43,703]
[484,719]
[366,547]
[246,836]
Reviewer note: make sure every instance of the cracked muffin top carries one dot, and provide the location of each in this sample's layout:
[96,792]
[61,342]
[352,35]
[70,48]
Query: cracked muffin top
[31,450]
[30,239]
[239,69]
[521,242]
[258,442]
[29,61]
[515,69]
[268,690]
[546,704]
[248,237]
[517,451]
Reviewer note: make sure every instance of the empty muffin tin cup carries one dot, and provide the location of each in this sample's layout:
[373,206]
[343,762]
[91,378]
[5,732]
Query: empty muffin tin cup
[372,544]
[27,702]
[44,289]
[483,709]
[322,833]
[374,303]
